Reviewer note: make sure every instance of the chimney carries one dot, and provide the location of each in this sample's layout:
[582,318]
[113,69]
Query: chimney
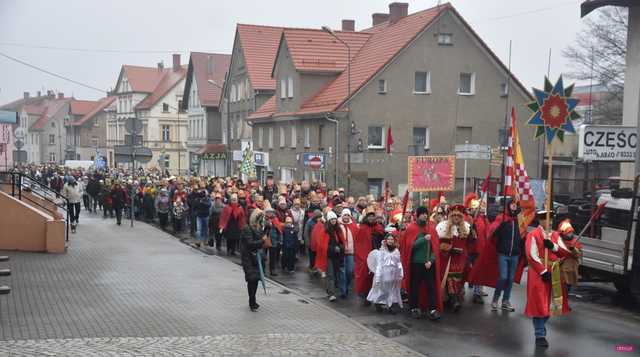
[60,95]
[26,95]
[39,94]
[176,62]
[50,93]
[378,18]
[398,10]
[160,66]
[348,25]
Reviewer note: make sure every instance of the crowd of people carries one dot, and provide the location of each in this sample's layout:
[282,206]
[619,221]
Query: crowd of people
[390,252]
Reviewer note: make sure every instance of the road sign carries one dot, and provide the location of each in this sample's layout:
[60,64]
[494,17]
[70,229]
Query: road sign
[19,133]
[134,140]
[124,153]
[133,125]
[607,143]
[473,152]
[19,156]
[19,144]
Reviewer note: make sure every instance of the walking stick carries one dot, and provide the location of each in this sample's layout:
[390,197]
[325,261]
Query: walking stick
[261,269]
[446,274]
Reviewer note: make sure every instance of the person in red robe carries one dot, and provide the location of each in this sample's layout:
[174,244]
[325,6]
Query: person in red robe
[419,253]
[362,247]
[454,236]
[571,264]
[232,222]
[546,290]
[479,227]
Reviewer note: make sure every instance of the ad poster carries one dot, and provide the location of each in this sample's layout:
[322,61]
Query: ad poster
[432,173]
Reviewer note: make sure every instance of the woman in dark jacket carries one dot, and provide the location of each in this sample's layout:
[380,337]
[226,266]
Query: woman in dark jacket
[119,199]
[251,241]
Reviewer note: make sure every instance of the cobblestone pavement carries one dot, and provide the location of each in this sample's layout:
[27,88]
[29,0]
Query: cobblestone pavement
[123,291]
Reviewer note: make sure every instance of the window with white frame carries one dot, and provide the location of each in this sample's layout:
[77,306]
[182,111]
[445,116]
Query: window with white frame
[246,87]
[260,137]
[445,39]
[307,137]
[283,88]
[270,141]
[52,156]
[467,83]
[422,82]
[52,139]
[286,174]
[290,87]
[382,86]
[375,137]
[294,137]
[421,137]
[166,133]
[282,134]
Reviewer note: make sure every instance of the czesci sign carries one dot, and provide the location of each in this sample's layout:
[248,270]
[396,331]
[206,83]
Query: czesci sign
[607,143]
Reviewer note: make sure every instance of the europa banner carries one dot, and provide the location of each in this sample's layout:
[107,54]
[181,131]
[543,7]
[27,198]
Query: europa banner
[432,173]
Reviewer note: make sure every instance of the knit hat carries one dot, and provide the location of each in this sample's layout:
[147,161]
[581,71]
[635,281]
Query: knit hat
[331,215]
[421,210]
[346,212]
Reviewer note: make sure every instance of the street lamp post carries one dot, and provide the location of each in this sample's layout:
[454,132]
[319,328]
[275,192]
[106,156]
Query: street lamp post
[228,129]
[328,30]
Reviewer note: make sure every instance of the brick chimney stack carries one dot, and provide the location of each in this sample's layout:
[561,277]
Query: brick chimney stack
[398,10]
[176,62]
[60,95]
[378,18]
[348,25]
[26,95]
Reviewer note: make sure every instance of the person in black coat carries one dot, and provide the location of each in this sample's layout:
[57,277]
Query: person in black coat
[252,240]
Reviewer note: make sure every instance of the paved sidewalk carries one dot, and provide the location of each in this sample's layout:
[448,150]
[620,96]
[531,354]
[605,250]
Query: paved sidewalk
[122,291]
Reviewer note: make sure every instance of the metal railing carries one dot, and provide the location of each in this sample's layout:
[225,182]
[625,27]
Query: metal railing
[38,193]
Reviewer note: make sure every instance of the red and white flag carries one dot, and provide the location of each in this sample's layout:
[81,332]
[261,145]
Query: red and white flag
[516,180]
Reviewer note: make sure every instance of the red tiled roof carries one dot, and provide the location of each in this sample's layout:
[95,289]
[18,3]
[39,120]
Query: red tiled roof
[99,106]
[82,107]
[314,50]
[209,94]
[211,148]
[51,107]
[169,80]
[260,47]
[143,79]
[35,109]
[266,110]
[385,43]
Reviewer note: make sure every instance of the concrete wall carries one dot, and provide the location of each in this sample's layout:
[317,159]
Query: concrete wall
[25,228]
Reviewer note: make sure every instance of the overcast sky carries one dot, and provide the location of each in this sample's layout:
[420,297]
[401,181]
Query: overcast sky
[88,40]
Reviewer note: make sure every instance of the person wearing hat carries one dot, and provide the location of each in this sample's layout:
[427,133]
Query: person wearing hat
[454,236]
[419,250]
[349,230]
[479,226]
[570,265]
[368,231]
[330,250]
[252,240]
[388,274]
[546,291]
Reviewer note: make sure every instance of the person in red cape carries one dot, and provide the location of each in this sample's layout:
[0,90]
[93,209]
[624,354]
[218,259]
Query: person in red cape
[479,226]
[546,290]
[232,221]
[330,254]
[501,261]
[454,236]
[571,264]
[362,247]
[419,253]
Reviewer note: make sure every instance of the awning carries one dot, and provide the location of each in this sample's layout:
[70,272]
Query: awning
[212,149]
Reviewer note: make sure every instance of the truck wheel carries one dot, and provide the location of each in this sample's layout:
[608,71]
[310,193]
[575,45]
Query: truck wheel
[622,285]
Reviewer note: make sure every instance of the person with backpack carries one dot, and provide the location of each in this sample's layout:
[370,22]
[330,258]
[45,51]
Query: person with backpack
[163,206]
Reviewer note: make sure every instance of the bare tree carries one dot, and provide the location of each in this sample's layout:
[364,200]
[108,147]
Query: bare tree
[598,54]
